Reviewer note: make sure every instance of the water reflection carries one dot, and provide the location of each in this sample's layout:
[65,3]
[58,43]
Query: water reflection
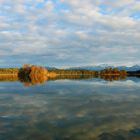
[81,109]
[34,80]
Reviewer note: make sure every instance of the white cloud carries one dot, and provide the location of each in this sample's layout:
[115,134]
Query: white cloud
[76,32]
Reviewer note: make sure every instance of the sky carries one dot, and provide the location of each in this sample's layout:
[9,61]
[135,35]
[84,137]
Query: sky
[67,33]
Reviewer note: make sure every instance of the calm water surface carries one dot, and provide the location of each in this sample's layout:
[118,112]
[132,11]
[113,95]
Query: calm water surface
[91,109]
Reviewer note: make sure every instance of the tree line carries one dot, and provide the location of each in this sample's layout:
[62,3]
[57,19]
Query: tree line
[32,74]
[9,70]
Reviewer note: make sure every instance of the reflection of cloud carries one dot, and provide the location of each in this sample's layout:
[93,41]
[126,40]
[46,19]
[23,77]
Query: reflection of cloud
[121,134]
[120,83]
[85,113]
[69,108]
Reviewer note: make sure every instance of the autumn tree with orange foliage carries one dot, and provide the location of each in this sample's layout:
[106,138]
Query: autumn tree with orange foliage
[38,74]
[31,74]
[113,71]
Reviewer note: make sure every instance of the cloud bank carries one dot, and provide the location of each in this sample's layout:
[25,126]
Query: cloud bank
[69,32]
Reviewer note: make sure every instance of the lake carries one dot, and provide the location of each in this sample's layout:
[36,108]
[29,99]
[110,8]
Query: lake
[88,109]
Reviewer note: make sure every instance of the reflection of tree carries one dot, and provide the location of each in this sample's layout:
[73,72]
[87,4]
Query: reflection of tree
[111,74]
[73,77]
[32,75]
[9,77]
[38,75]
[112,77]
[9,74]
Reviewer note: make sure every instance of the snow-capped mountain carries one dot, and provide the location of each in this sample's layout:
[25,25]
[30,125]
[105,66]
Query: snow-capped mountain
[100,67]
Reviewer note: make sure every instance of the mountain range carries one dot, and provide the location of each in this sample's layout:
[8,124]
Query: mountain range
[103,66]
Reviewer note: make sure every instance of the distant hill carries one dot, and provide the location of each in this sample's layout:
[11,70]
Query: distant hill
[101,67]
